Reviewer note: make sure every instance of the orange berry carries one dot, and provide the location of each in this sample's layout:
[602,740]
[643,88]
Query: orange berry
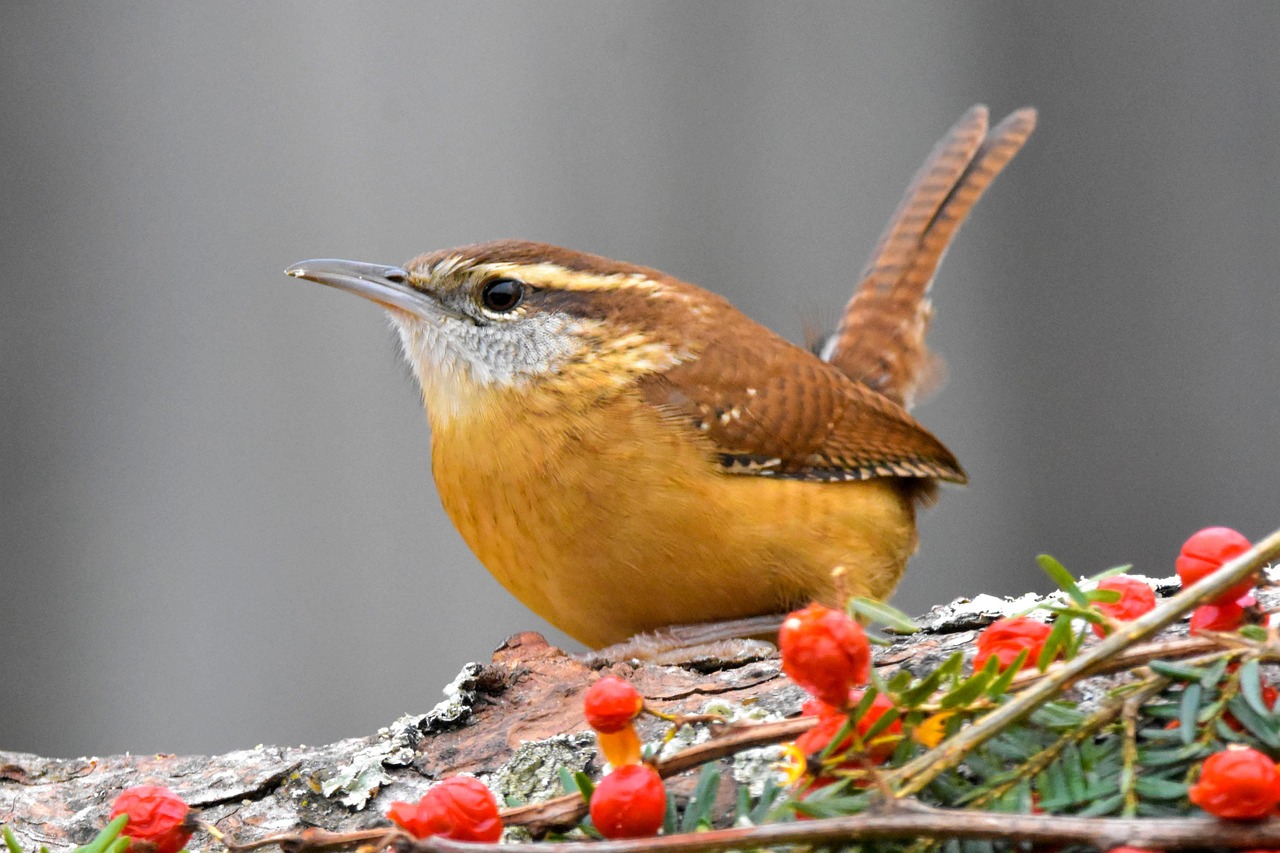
[1237,784]
[1206,552]
[1004,639]
[460,807]
[629,803]
[1136,598]
[825,652]
[157,816]
[1220,616]
[611,704]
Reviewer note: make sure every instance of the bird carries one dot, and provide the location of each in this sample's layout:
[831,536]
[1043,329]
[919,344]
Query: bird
[625,451]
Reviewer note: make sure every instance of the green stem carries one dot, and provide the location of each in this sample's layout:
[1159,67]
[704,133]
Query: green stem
[1129,754]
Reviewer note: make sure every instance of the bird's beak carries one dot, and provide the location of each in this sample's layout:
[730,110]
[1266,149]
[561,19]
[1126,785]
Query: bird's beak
[388,286]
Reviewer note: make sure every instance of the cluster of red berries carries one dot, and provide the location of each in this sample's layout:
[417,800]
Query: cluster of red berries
[832,721]
[1007,639]
[631,801]
[460,807]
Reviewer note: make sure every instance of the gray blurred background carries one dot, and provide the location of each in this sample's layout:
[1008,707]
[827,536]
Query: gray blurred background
[217,521]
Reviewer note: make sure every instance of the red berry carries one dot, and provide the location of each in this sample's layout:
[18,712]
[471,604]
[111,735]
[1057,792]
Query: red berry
[831,721]
[1136,598]
[825,652]
[1238,784]
[460,807]
[611,704]
[157,816]
[1004,639]
[1206,551]
[629,803]
[1222,616]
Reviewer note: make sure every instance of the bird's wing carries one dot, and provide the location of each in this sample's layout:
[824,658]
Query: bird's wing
[772,409]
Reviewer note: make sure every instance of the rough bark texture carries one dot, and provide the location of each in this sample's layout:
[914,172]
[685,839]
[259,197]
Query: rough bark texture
[513,722]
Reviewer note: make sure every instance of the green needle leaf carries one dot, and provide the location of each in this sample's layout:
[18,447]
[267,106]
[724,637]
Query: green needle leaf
[1213,674]
[1059,575]
[1257,633]
[1189,712]
[584,784]
[1155,788]
[1177,672]
[1251,686]
[1000,685]
[567,783]
[883,722]
[880,613]
[103,841]
[1058,640]
[929,684]
[698,810]
[1110,573]
[975,685]
[1106,806]
[1260,726]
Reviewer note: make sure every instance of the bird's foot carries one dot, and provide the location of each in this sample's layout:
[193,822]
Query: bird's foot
[703,646]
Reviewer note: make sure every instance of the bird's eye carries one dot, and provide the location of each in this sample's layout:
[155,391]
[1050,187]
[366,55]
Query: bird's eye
[502,294]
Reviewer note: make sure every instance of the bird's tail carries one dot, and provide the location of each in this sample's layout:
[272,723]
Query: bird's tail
[880,339]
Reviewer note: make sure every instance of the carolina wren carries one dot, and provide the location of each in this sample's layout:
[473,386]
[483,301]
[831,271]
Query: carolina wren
[625,451]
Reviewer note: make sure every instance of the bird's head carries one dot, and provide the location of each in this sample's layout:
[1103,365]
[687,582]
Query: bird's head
[522,318]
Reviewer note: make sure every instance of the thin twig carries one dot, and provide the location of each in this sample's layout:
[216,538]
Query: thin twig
[1129,750]
[908,819]
[315,840]
[911,820]
[1130,658]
